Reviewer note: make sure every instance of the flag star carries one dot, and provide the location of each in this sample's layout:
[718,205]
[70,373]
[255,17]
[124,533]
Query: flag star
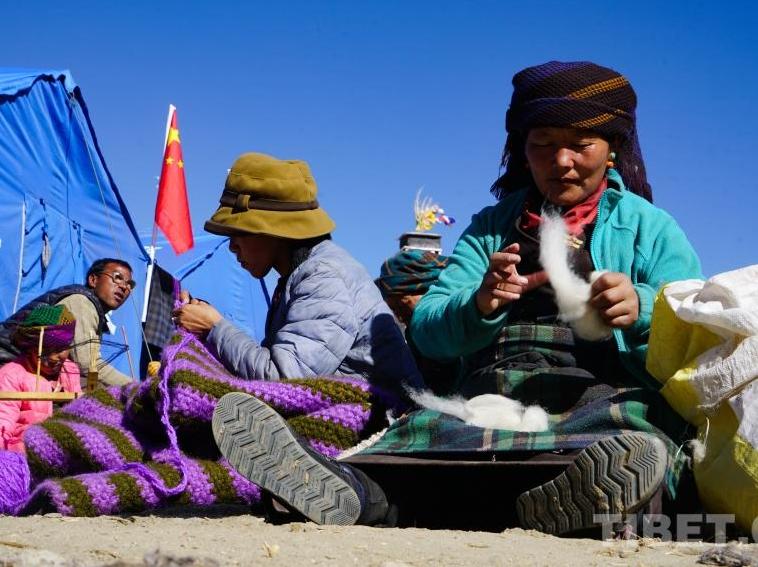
[173,136]
[180,163]
[169,160]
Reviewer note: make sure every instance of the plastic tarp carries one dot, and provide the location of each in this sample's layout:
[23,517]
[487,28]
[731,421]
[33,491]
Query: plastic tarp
[59,207]
[210,271]
[704,350]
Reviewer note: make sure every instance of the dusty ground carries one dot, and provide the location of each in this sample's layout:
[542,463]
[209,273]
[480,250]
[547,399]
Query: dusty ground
[242,539]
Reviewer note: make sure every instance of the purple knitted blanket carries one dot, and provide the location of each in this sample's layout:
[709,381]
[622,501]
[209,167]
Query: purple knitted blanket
[143,446]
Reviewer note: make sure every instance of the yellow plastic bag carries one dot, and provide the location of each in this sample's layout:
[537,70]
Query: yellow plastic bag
[703,348]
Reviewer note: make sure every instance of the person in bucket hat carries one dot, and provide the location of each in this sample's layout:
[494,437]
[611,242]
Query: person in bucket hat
[267,196]
[326,317]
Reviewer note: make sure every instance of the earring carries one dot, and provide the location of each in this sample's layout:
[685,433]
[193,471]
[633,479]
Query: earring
[610,164]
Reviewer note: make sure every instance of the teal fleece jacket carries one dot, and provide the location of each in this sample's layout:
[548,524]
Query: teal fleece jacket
[631,236]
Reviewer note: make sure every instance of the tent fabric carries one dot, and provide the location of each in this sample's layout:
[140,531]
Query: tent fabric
[211,272]
[59,207]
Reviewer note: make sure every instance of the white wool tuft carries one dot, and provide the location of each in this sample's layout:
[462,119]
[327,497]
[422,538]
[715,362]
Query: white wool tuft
[571,291]
[698,450]
[490,411]
[455,406]
[535,419]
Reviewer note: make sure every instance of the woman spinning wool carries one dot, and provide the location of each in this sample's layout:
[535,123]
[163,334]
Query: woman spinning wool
[572,147]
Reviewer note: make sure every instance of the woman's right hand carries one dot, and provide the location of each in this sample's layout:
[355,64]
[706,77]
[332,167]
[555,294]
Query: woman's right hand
[195,315]
[502,283]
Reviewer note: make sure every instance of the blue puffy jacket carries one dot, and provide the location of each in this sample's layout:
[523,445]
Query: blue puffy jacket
[331,320]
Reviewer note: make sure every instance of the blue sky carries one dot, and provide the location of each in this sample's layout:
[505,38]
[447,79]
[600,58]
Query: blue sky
[384,97]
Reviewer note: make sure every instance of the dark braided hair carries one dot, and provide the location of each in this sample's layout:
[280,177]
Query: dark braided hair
[579,95]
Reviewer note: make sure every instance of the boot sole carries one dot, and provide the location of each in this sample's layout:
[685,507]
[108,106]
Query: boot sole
[258,443]
[617,475]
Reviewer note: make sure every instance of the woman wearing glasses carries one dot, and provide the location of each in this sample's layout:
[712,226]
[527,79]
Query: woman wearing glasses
[31,372]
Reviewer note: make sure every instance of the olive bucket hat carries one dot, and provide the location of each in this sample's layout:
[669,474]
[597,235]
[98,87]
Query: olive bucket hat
[265,195]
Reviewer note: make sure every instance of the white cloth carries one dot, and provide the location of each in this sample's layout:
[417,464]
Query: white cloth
[727,305]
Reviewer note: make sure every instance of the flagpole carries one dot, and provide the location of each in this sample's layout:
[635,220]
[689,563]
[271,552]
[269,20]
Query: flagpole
[151,249]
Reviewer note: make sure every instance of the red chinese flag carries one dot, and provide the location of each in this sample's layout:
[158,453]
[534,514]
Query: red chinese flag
[172,208]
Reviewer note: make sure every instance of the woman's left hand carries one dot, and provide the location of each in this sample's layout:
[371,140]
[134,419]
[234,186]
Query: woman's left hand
[196,317]
[614,297]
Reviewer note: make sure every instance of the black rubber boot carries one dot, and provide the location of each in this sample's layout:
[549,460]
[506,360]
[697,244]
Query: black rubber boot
[615,476]
[259,444]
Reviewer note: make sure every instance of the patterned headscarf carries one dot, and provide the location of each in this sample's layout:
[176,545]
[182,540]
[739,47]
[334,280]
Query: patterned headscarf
[59,325]
[410,272]
[579,95]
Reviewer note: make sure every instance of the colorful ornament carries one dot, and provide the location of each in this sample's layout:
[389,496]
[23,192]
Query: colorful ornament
[429,213]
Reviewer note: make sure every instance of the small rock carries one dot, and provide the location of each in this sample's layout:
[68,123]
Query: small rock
[271,549]
[730,555]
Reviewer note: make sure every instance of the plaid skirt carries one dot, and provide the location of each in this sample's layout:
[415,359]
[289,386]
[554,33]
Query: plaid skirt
[581,385]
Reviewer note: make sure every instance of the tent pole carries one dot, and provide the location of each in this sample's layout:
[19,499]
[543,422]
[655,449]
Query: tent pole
[148,277]
[154,238]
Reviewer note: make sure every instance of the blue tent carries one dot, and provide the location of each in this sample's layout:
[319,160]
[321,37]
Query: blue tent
[60,210]
[59,207]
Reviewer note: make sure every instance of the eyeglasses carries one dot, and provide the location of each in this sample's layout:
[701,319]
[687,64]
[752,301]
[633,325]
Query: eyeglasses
[119,279]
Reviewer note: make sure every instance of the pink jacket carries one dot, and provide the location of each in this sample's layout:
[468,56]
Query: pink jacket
[17,415]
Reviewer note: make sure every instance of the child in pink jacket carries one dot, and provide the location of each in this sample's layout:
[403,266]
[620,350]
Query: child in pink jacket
[57,373]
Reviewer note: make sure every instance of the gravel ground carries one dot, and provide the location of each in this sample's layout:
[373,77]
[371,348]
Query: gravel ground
[236,538]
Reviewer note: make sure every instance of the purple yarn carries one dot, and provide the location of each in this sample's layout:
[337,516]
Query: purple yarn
[146,489]
[325,449]
[97,444]
[205,355]
[215,374]
[144,390]
[288,398]
[102,492]
[14,481]
[245,489]
[190,403]
[116,391]
[173,399]
[46,448]
[140,471]
[355,381]
[170,355]
[87,407]
[58,496]
[199,488]
[352,416]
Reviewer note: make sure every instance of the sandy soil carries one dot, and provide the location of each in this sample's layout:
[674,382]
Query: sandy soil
[237,538]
